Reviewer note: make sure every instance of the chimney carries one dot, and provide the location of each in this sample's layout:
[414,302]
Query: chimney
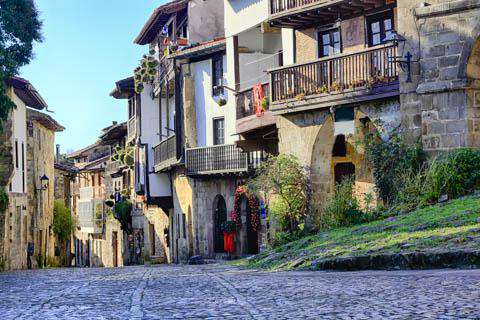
[114,123]
[57,153]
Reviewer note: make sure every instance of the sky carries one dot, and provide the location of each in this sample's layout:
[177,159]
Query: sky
[87,46]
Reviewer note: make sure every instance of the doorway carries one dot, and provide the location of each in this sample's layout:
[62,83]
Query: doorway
[250,236]
[115,248]
[219,217]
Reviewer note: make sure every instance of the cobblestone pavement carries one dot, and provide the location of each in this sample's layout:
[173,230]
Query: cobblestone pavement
[221,292]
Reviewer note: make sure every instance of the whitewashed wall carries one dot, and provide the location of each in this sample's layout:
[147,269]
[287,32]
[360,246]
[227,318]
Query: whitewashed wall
[19,134]
[241,15]
[159,184]
[207,107]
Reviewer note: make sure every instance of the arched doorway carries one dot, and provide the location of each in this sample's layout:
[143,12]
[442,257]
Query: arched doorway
[219,217]
[250,240]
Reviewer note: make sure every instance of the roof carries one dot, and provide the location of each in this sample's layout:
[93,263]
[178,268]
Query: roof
[27,93]
[78,153]
[93,165]
[113,133]
[157,20]
[201,49]
[65,167]
[124,88]
[45,120]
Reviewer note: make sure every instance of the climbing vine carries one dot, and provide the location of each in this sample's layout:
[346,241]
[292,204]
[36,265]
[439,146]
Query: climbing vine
[253,204]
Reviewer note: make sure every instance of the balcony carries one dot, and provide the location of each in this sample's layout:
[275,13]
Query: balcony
[97,192]
[165,153]
[131,129]
[113,166]
[90,215]
[220,159]
[347,78]
[302,14]
[247,117]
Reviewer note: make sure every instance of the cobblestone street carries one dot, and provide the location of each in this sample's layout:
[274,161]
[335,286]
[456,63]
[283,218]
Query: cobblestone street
[177,292]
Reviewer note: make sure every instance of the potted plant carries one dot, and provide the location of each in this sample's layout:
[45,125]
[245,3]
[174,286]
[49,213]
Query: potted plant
[229,228]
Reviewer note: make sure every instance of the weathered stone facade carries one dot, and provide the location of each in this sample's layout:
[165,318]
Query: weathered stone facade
[40,161]
[440,104]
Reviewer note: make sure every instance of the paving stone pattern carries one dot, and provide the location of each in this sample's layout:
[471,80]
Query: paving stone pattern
[222,292]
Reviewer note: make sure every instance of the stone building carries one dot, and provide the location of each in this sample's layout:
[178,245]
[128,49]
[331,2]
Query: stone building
[15,222]
[40,155]
[440,104]
[98,238]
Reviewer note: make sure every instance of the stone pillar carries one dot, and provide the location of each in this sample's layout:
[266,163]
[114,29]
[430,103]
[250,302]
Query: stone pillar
[189,109]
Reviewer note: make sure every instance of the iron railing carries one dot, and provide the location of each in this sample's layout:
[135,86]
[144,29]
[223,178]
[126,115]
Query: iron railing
[165,150]
[368,69]
[226,158]
[278,6]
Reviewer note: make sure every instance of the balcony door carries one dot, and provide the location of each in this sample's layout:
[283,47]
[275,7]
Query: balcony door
[329,44]
[218,131]
[379,26]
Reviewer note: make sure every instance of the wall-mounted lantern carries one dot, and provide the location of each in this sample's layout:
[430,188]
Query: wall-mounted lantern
[403,60]
[44,182]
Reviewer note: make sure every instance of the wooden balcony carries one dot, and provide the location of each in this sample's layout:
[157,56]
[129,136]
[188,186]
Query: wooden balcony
[247,119]
[347,78]
[131,129]
[302,14]
[221,159]
[165,153]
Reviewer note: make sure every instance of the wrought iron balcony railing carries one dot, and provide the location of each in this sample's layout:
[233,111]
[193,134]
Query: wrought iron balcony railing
[165,152]
[219,159]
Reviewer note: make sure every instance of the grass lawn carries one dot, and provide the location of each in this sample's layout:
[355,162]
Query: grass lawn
[454,226]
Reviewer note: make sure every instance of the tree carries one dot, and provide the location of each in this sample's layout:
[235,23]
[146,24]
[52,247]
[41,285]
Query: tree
[20,27]
[285,183]
[63,224]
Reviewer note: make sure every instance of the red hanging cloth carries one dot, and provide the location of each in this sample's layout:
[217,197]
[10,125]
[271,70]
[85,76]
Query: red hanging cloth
[257,94]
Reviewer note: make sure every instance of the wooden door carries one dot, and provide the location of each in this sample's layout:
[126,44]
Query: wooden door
[115,248]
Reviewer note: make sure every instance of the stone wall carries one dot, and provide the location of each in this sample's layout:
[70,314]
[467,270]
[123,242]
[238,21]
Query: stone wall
[440,104]
[40,161]
[16,234]
[314,149]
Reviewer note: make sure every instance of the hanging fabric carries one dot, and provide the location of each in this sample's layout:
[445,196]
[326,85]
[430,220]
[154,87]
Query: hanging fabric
[257,94]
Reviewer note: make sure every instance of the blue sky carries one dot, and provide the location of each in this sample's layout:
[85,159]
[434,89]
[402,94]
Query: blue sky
[88,45]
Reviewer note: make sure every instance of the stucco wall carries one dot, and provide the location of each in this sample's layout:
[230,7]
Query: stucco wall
[241,15]
[19,135]
[205,20]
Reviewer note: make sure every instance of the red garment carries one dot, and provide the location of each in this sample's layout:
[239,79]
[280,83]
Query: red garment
[257,93]
[228,242]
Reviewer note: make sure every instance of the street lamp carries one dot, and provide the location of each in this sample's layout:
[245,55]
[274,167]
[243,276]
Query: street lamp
[404,62]
[44,181]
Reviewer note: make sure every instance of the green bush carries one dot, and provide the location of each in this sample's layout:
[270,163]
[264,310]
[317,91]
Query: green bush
[63,223]
[40,261]
[281,238]
[391,156]
[52,262]
[3,200]
[342,208]
[123,212]
[284,183]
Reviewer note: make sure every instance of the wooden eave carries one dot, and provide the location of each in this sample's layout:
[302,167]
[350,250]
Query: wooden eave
[324,12]
[27,93]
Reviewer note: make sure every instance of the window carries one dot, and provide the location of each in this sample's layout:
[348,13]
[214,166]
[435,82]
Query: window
[217,75]
[379,26]
[329,42]
[218,131]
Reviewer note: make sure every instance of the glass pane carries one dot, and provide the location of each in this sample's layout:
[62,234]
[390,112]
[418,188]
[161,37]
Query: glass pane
[326,50]
[376,39]
[336,48]
[375,27]
[387,24]
[336,36]
[325,39]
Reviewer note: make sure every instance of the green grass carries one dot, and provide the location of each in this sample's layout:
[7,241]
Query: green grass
[440,228]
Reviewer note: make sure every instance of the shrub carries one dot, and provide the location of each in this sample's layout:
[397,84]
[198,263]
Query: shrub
[63,223]
[123,212]
[342,208]
[52,262]
[39,259]
[391,156]
[3,200]
[281,238]
[285,184]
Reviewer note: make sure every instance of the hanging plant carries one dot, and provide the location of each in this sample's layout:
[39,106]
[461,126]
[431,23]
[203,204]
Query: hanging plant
[229,226]
[145,73]
[124,155]
[265,103]
[221,102]
[253,204]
